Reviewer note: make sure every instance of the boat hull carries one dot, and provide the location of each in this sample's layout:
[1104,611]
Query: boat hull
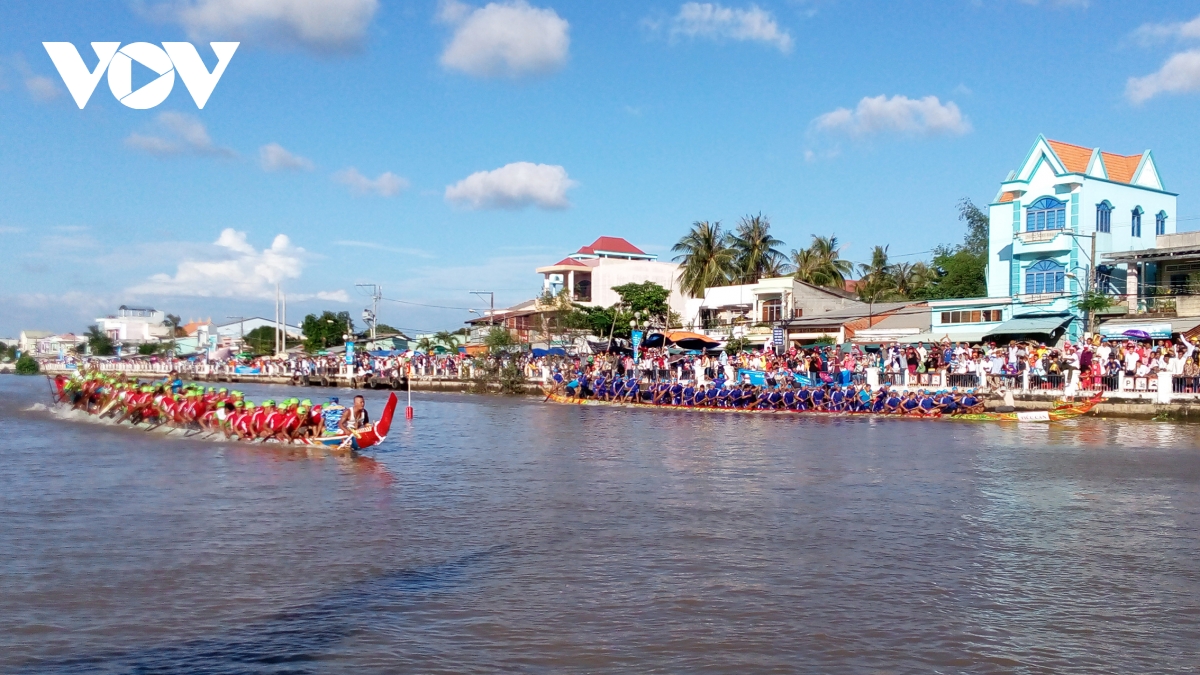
[1058,414]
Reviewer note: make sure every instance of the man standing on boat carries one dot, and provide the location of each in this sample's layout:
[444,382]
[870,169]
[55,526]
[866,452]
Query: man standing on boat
[356,418]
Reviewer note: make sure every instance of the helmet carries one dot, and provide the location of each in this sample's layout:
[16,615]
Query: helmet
[306,403]
[268,403]
[222,390]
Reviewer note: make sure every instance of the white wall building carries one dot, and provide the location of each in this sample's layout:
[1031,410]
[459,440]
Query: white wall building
[593,271]
[764,304]
[135,324]
[1046,212]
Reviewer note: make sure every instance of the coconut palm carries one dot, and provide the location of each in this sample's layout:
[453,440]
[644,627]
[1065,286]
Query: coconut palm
[821,264]
[911,278]
[446,338]
[755,252]
[875,282]
[705,257]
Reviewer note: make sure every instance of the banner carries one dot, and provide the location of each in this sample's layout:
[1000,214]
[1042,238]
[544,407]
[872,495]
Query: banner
[1141,331]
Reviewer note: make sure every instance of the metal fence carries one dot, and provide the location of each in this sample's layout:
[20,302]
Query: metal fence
[1048,381]
[963,380]
[1099,383]
[1185,385]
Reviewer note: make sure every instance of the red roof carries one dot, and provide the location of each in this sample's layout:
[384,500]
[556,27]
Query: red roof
[612,245]
[568,261]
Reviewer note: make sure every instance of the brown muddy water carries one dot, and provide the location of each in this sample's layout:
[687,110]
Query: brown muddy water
[503,535]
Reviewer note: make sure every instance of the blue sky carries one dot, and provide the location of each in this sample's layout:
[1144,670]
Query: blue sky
[440,148]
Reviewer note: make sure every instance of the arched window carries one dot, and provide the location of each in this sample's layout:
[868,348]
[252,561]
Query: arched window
[1160,223]
[1045,276]
[1104,217]
[1046,213]
[1136,221]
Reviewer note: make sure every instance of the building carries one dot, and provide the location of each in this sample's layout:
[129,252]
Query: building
[751,311]
[58,345]
[243,325]
[27,342]
[590,274]
[1050,213]
[135,324]
[861,322]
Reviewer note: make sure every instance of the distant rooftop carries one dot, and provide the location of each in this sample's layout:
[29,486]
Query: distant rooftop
[613,247]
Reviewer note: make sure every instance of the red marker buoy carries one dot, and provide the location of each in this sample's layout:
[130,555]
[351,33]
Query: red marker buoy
[408,413]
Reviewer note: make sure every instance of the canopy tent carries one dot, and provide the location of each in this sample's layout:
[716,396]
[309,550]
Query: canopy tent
[1147,330]
[1032,324]
[688,340]
[553,351]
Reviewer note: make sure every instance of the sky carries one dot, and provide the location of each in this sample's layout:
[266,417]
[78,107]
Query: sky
[438,148]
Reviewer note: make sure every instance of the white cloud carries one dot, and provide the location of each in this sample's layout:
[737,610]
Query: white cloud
[5,229]
[274,157]
[1156,33]
[178,134]
[319,25]
[716,22]
[513,186]
[923,117]
[1180,74]
[231,268]
[383,247]
[509,38]
[387,184]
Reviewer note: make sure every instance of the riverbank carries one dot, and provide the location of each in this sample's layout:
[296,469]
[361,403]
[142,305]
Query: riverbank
[1126,405]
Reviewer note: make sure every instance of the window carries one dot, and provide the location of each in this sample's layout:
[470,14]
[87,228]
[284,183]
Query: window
[1160,223]
[1136,221]
[975,316]
[1045,276]
[1104,217]
[1046,213]
[772,310]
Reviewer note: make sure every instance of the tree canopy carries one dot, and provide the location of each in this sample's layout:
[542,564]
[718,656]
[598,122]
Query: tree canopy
[326,330]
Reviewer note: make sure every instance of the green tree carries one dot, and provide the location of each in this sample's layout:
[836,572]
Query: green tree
[326,330]
[876,283]
[705,258]
[499,338]
[755,252]
[647,298]
[821,264]
[261,340]
[384,329]
[99,342]
[27,365]
[150,348]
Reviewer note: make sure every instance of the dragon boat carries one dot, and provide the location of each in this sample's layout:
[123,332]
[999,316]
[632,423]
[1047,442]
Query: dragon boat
[1062,410]
[369,435]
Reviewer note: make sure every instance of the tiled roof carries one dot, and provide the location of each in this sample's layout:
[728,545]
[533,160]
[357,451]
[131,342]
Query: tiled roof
[613,245]
[568,261]
[1074,157]
[1120,167]
[1007,197]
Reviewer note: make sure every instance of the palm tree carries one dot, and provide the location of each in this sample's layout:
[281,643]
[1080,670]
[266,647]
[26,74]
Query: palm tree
[755,252]
[426,345]
[821,264]
[445,338]
[706,258]
[910,278]
[876,283]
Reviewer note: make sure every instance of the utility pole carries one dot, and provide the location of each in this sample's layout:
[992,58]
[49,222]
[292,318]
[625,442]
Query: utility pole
[492,302]
[1093,283]
[376,295]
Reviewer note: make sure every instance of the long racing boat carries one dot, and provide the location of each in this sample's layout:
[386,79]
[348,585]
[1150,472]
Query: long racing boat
[1060,412]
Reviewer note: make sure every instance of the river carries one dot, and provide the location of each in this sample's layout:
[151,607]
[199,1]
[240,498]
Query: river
[498,534]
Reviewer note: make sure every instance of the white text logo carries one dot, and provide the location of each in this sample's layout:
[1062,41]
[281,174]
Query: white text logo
[171,58]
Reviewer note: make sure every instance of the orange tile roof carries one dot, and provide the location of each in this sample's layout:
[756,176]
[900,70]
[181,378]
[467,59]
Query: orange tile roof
[1074,157]
[1120,167]
[569,261]
[1007,197]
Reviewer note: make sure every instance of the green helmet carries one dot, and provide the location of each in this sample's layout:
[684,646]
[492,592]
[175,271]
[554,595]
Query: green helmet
[249,405]
[269,403]
[306,403]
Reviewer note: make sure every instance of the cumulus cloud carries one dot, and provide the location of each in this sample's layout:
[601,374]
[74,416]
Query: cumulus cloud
[899,114]
[1179,75]
[513,186]
[387,184]
[40,88]
[1156,33]
[714,21]
[232,268]
[318,25]
[274,157]
[177,134]
[509,38]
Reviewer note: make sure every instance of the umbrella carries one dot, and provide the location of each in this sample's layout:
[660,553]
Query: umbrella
[1137,334]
